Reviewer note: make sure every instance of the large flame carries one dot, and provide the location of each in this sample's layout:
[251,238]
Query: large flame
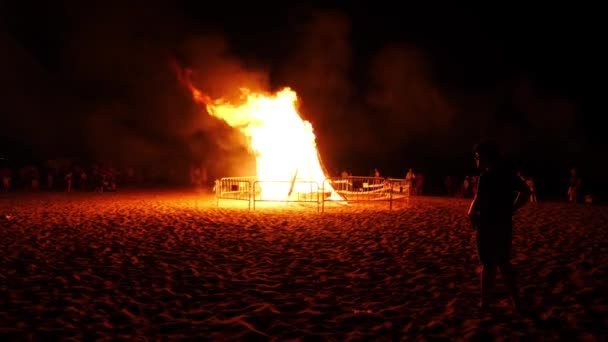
[287,160]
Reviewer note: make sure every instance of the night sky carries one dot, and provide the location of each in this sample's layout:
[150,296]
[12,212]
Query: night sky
[383,86]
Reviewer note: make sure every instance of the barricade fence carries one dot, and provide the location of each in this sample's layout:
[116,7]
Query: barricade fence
[287,192]
[353,189]
[234,188]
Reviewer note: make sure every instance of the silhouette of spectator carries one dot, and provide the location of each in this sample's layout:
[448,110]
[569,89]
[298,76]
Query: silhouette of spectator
[5,172]
[573,186]
[532,187]
[69,176]
[448,185]
[499,194]
[410,177]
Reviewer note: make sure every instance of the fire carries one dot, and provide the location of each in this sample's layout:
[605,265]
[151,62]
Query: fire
[283,143]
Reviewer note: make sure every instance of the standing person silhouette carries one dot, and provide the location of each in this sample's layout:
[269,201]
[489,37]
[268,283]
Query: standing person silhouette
[499,194]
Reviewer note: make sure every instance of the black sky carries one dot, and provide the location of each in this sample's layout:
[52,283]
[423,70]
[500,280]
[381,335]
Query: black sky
[386,86]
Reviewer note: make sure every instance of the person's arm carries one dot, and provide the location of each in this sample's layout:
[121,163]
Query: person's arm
[523,193]
[474,207]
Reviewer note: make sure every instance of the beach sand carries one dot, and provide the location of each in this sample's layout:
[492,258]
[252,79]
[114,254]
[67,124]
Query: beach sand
[171,264]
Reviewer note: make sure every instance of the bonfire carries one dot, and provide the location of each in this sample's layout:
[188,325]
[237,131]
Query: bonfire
[284,145]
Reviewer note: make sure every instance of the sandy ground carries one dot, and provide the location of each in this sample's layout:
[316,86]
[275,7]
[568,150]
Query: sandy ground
[171,264]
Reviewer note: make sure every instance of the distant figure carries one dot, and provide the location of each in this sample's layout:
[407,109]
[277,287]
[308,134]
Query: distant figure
[377,179]
[82,183]
[410,177]
[573,185]
[448,185]
[69,176]
[521,176]
[6,179]
[532,188]
[473,185]
[419,184]
[344,184]
[499,194]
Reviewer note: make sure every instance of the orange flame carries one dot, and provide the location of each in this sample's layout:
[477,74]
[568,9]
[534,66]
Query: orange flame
[284,144]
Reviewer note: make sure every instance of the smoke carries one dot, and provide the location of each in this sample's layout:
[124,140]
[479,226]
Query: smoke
[116,65]
[213,70]
[527,122]
[397,104]
[217,72]
[406,103]
[27,98]
[111,92]
[555,117]
[321,62]
[318,69]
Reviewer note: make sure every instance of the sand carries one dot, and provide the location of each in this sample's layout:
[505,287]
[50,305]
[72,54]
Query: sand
[171,264]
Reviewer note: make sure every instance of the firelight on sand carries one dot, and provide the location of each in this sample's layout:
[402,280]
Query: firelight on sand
[284,145]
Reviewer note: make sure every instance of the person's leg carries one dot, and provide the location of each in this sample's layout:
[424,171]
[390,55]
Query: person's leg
[488,275]
[508,274]
[571,194]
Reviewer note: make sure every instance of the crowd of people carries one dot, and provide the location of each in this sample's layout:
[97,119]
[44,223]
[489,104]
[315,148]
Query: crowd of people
[55,177]
[70,177]
[466,187]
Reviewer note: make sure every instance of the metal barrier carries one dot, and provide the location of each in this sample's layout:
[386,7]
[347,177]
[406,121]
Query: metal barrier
[234,188]
[351,189]
[287,192]
[367,189]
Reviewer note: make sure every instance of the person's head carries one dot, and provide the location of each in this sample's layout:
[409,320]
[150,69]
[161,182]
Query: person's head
[487,154]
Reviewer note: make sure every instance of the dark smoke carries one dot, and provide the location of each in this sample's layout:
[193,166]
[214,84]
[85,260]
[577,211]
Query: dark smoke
[219,75]
[318,69]
[102,85]
[29,99]
[111,94]
[404,114]
[403,96]
[399,104]
[526,122]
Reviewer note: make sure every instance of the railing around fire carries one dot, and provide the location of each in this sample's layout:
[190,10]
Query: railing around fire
[350,190]
[234,188]
[287,192]
[367,189]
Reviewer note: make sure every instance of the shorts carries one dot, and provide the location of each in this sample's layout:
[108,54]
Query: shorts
[494,244]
